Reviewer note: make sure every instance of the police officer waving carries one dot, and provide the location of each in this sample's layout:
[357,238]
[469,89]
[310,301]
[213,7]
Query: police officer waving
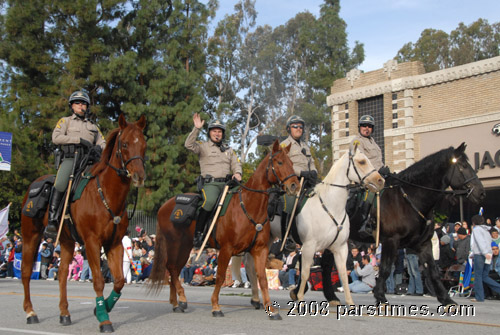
[72,130]
[216,162]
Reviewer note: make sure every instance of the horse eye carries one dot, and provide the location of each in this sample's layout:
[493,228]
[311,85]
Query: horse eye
[124,145]
[280,163]
[362,162]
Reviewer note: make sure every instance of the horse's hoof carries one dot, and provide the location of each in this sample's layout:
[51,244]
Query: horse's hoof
[183,305]
[217,314]
[293,295]
[65,320]
[178,309]
[450,309]
[275,317]
[334,303]
[255,304]
[106,328]
[382,303]
[32,319]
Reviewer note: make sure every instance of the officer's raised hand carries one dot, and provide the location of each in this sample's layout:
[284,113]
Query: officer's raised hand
[198,122]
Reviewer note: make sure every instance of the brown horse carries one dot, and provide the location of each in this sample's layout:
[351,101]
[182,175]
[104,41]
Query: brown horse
[102,202]
[244,227]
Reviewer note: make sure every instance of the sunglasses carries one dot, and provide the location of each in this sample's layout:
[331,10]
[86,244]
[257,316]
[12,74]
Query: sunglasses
[79,103]
[296,126]
[366,125]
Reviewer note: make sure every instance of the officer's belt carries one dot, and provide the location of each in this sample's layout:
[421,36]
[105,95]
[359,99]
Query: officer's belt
[217,180]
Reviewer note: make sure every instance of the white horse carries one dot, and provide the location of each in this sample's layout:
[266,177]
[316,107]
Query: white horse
[323,222]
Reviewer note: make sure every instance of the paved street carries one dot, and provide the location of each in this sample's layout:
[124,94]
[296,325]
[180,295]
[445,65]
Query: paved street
[140,313]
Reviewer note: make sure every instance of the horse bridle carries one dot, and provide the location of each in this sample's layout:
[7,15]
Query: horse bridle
[362,180]
[466,181]
[123,172]
[271,165]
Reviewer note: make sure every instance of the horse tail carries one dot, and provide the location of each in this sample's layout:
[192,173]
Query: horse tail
[157,278]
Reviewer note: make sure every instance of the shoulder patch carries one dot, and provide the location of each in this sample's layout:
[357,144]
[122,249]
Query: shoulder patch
[283,144]
[199,142]
[61,121]
[356,142]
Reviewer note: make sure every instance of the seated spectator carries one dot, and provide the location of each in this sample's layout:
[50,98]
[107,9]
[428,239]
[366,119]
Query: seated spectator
[54,266]
[76,266]
[494,271]
[368,276]
[185,274]
[288,272]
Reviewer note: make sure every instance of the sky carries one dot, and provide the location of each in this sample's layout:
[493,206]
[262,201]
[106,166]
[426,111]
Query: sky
[383,26]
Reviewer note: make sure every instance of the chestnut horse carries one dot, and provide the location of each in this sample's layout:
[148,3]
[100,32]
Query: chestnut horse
[121,164]
[244,227]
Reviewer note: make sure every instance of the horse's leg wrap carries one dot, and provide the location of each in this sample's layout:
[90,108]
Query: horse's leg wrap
[111,300]
[101,313]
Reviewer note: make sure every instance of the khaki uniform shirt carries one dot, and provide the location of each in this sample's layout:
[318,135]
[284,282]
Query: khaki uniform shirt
[70,129]
[300,161]
[212,161]
[370,148]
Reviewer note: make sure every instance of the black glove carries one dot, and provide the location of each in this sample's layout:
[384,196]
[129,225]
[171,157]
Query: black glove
[95,153]
[304,174]
[85,143]
[384,171]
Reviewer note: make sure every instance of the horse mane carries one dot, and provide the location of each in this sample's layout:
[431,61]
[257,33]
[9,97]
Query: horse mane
[429,167]
[106,155]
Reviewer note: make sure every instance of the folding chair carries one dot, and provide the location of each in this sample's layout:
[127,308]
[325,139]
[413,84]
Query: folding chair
[465,283]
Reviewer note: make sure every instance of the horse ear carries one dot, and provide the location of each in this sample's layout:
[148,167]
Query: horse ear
[276,146]
[460,150]
[141,123]
[122,122]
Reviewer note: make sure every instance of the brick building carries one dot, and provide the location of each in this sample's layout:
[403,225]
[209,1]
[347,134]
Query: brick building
[418,113]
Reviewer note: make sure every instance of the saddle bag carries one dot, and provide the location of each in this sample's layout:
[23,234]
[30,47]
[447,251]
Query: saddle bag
[185,208]
[38,198]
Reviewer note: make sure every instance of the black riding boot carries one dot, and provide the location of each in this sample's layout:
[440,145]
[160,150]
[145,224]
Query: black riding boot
[366,229]
[203,217]
[55,200]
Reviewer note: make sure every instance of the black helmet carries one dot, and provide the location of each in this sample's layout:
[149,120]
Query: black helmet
[217,124]
[366,119]
[79,96]
[294,119]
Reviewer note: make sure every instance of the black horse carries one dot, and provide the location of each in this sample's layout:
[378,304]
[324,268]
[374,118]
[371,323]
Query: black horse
[405,215]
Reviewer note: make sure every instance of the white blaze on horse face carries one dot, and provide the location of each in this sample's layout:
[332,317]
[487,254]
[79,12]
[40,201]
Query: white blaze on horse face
[136,139]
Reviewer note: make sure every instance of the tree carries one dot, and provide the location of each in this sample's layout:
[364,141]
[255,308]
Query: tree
[437,50]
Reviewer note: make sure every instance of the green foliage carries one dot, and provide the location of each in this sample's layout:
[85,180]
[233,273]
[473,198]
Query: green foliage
[155,57]
[466,44]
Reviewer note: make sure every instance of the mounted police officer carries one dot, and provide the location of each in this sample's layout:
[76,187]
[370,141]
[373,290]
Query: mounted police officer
[217,161]
[366,143]
[303,164]
[72,131]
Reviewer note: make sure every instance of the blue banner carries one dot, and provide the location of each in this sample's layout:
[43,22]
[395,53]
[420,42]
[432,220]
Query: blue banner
[5,150]
[18,264]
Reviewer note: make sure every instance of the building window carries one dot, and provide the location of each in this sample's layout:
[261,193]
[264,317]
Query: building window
[394,106]
[395,115]
[346,115]
[347,133]
[346,106]
[394,96]
[347,124]
[374,106]
[394,125]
